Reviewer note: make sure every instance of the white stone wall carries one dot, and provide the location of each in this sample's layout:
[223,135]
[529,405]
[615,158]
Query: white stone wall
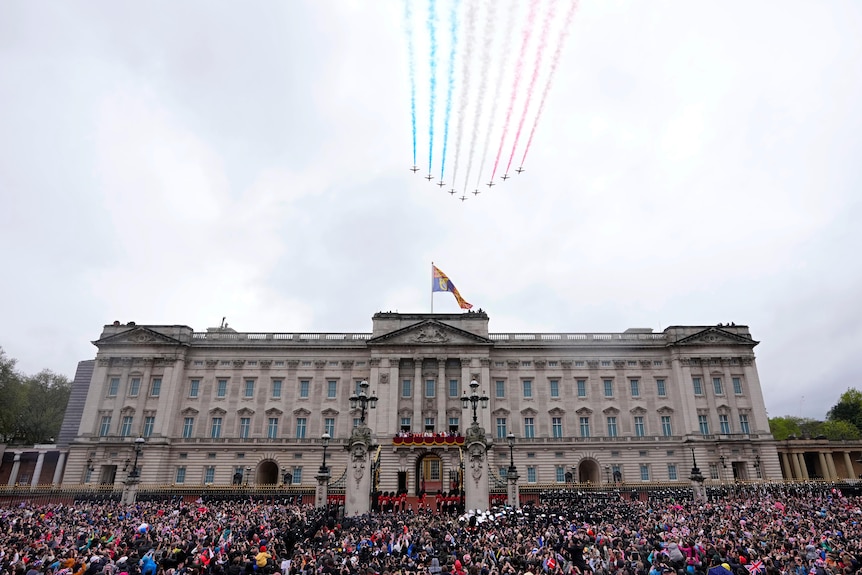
[422,347]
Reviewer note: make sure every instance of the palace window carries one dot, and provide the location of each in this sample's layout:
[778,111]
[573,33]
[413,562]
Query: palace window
[582,387]
[529,428]
[114,387]
[188,427]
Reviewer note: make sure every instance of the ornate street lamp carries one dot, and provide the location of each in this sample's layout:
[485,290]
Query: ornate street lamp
[696,475]
[139,448]
[474,399]
[363,400]
[324,439]
[510,439]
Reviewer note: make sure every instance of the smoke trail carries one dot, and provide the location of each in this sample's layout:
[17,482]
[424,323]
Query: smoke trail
[507,37]
[408,19]
[543,42]
[450,84]
[432,32]
[554,61]
[469,35]
[528,29]
[483,84]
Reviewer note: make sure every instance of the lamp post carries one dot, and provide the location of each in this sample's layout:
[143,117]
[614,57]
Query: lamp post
[139,448]
[363,400]
[247,475]
[474,399]
[513,496]
[324,439]
[696,478]
[130,485]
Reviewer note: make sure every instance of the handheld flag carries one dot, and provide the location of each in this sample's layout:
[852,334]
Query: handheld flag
[441,282]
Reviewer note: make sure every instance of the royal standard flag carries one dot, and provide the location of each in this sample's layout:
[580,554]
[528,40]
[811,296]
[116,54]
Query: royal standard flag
[441,282]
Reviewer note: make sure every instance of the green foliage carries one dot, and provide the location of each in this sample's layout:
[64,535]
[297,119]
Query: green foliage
[33,406]
[836,430]
[799,427]
[848,408]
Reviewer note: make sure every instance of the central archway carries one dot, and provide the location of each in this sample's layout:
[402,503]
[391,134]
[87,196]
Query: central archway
[429,473]
[588,472]
[267,473]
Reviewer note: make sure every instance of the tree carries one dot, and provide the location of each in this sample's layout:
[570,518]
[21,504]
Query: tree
[848,408]
[784,427]
[32,406]
[47,395]
[836,430]
[11,398]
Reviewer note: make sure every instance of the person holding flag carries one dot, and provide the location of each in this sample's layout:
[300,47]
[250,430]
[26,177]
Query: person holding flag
[441,282]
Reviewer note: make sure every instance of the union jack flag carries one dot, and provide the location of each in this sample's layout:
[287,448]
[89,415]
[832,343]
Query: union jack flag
[755,567]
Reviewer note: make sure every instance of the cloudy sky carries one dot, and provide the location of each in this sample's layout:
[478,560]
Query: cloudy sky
[176,162]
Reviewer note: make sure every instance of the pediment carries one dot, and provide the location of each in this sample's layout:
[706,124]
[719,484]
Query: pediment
[139,335]
[611,411]
[273,411]
[584,411]
[529,412]
[189,411]
[245,411]
[714,336]
[429,332]
[557,411]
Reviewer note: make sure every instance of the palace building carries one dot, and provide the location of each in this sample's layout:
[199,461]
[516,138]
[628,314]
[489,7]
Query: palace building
[221,406]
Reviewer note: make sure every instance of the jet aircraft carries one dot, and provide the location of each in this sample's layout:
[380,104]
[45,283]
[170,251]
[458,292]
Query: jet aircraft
[519,170]
[414,169]
[505,177]
[429,177]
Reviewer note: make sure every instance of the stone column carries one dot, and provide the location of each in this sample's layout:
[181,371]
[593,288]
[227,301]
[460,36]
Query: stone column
[797,470]
[357,499]
[476,489]
[58,471]
[824,470]
[16,465]
[803,466]
[785,466]
[514,499]
[130,490]
[442,395]
[321,494]
[830,465]
[848,463]
[40,461]
[417,424]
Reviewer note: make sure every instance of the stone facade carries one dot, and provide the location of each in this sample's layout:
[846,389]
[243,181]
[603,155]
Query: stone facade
[222,406]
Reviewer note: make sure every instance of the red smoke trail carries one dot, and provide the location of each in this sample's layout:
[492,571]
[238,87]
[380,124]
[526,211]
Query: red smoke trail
[554,61]
[543,42]
[528,30]
[498,84]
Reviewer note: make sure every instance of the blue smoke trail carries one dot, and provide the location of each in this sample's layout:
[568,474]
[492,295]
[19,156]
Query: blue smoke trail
[432,32]
[450,84]
[408,19]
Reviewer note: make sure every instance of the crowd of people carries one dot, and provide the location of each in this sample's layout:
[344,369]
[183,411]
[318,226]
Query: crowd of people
[756,530]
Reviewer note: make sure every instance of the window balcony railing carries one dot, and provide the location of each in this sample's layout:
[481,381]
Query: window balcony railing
[409,439]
